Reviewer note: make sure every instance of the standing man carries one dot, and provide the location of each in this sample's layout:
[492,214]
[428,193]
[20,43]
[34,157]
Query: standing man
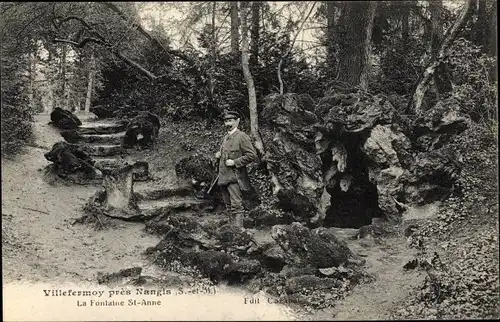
[234,155]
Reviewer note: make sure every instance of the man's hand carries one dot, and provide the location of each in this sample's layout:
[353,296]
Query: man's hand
[229,162]
[217,155]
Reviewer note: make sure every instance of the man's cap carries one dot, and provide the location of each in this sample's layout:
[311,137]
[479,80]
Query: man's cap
[230,115]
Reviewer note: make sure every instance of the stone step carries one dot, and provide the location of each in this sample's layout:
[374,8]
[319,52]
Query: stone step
[345,234]
[152,208]
[147,193]
[113,138]
[103,127]
[103,150]
[161,181]
[140,168]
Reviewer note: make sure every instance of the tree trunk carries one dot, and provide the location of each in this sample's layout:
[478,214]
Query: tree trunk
[330,18]
[442,79]
[119,187]
[32,75]
[364,81]
[235,36]
[405,30]
[485,27]
[415,102]
[63,79]
[481,24]
[330,39]
[52,74]
[252,98]
[254,121]
[435,7]
[491,40]
[213,51]
[354,31]
[254,39]
[214,36]
[90,83]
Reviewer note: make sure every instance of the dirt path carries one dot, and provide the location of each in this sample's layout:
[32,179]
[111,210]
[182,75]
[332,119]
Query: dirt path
[374,300]
[40,243]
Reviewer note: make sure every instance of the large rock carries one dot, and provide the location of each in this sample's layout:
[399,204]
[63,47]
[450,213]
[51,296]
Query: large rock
[434,129]
[291,156]
[353,112]
[161,225]
[297,284]
[432,176]
[290,114]
[70,159]
[196,170]
[379,146]
[64,119]
[261,217]
[214,264]
[121,277]
[142,130]
[318,248]
[414,169]
[385,168]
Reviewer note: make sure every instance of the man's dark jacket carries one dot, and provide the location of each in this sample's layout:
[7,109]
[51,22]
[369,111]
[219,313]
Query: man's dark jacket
[237,147]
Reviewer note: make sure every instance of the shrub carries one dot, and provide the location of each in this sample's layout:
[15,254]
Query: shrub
[17,115]
[473,75]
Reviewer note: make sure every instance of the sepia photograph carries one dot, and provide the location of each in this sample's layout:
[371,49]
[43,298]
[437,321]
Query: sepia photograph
[249,160]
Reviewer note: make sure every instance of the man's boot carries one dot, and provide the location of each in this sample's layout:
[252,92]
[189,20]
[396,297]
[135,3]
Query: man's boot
[238,218]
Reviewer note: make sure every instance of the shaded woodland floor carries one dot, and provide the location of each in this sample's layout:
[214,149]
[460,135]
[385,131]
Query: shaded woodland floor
[41,243]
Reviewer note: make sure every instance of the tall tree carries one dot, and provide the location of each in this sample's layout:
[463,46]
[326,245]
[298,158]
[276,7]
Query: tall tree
[330,18]
[254,39]
[405,23]
[32,60]
[415,103]
[354,30]
[435,8]
[252,98]
[213,50]
[484,34]
[331,8]
[63,78]
[235,25]
[90,82]
[441,78]
[254,120]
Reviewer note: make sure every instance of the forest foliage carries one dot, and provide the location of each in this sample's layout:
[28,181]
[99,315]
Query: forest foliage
[50,51]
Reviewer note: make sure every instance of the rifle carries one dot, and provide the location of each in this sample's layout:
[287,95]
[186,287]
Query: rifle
[212,185]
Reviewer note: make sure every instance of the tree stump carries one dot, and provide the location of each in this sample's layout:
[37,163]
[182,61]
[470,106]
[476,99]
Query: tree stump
[120,201]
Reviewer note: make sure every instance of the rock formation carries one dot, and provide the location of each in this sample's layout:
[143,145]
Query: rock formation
[356,158]
[142,130]
[64,119]
[70,159]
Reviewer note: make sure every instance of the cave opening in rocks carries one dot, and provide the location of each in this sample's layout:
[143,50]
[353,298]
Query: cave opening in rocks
[356,206]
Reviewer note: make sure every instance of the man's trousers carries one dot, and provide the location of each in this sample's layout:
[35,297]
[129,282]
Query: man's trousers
[233,199]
